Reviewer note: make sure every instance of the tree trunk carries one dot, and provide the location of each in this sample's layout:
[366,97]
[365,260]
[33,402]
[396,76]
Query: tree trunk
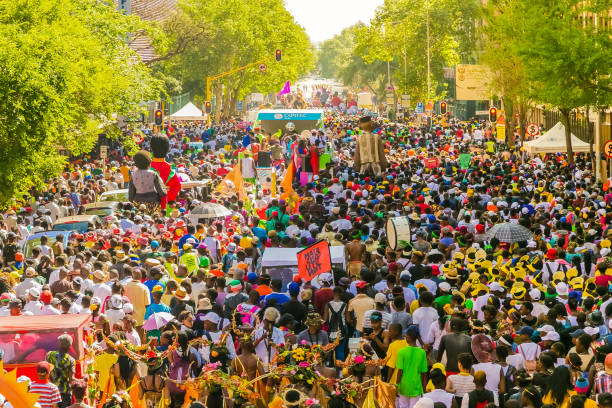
[218,96]
[591,141]
[565,119]
[510,123]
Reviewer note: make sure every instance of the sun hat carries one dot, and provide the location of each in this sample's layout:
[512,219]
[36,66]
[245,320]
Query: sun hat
[181,294]
[235,285]
[204,304]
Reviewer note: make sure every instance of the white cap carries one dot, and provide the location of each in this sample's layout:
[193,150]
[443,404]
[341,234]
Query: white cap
[212,317]
[380,298]
[552,336]
[128,308]
[591,331]
[496,287]
[562,289]
[546,328]
[116,301]
[532,244]
[535,294]
[445,287]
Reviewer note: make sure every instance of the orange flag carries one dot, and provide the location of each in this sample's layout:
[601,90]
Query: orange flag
[287,183]
[235,176]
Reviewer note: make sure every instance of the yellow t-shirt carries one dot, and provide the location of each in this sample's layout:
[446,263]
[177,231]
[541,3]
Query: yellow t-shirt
[391,359]
[125,172]
[588,403]
[414,306]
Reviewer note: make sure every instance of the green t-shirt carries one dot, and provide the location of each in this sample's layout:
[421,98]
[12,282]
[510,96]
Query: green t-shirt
[413,362]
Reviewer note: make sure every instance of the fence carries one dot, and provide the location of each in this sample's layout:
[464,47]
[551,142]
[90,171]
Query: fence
[178,101]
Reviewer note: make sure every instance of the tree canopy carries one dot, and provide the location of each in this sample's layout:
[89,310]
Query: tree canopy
[65,72]
[233,34]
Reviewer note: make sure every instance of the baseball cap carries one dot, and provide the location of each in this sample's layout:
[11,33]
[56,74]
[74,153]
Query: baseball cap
[361,284]
[157,289]
[380,298]
[552,336]
[526,330]
[43,366]
[376,316]
[211,317]
[445,287]
[577,333]
[293,287]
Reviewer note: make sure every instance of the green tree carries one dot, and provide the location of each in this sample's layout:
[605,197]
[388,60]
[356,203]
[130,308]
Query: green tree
[403,31]
[67,71]
[508,78]
[233,34]
[567,56]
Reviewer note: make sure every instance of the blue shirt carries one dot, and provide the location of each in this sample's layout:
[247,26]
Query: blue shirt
[184,239]
[280,297]
[150,283]
[156,308]
[261,234]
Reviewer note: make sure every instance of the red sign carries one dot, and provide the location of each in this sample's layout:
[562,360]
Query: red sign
[431,163]
[314,260]
[607,149]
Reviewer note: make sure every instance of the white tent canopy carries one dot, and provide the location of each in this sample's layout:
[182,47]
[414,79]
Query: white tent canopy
[188,112]
[287,257]
[553,141]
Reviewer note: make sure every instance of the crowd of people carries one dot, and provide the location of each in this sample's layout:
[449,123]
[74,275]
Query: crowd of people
[498,296]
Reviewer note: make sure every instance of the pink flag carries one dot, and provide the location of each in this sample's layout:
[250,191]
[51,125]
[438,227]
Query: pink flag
[286,89]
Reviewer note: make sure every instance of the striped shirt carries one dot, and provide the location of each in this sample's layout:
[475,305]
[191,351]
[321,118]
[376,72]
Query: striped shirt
[49,394]
[462,384]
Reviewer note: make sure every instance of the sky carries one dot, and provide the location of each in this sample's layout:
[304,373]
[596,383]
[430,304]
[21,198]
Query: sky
[322,19]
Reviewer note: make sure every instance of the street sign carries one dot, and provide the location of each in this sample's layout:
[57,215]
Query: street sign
[419,107]
[103,151]
[608,149]
[532,129]
[390,98]
[406,101]
[430,105]
[262,67]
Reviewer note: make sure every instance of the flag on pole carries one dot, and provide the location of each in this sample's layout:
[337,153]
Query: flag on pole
[235,176]
[286,89]
[287,182]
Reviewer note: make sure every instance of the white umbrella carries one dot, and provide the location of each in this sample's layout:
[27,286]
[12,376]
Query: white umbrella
[157,320]
[210,210]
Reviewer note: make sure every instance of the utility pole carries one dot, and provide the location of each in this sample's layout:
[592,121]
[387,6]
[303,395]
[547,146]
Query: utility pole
[428,57]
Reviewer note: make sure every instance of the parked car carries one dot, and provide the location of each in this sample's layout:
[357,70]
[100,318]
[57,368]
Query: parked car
[34,240]
[102,209]
[78,223]
[120,195]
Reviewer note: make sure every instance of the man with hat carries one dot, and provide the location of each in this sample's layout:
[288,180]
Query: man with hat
[33,305]
[28,282]
[267,336]
[49,395]
[369,149]
[313,335]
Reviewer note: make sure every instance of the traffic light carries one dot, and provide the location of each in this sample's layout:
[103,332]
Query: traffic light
[278,54]
[442,108]
[207,107]
[493,114]
[159,117]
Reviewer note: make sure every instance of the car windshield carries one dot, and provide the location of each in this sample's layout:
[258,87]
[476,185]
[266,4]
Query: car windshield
[34,243]
[29,347]
[71,226]
[98,211]
[115,197]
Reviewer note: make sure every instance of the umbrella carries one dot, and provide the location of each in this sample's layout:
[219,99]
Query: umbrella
[210,210]
[157,320]
[508,232]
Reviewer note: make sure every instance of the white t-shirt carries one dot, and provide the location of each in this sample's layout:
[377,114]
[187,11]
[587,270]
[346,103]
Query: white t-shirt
[493,372]
[424,317]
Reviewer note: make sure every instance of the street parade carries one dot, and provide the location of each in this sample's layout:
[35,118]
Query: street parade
[364,241]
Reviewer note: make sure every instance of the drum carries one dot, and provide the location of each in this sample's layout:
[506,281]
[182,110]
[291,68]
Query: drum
[398,229]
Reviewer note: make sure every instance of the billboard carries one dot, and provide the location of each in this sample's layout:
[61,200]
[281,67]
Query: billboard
[472,83]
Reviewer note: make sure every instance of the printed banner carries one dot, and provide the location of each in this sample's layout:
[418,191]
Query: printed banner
[501,132]
[314,260]
[431,163]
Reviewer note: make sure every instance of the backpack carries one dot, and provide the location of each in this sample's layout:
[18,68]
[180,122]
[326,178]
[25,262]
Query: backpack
[335,322]
[530,365]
